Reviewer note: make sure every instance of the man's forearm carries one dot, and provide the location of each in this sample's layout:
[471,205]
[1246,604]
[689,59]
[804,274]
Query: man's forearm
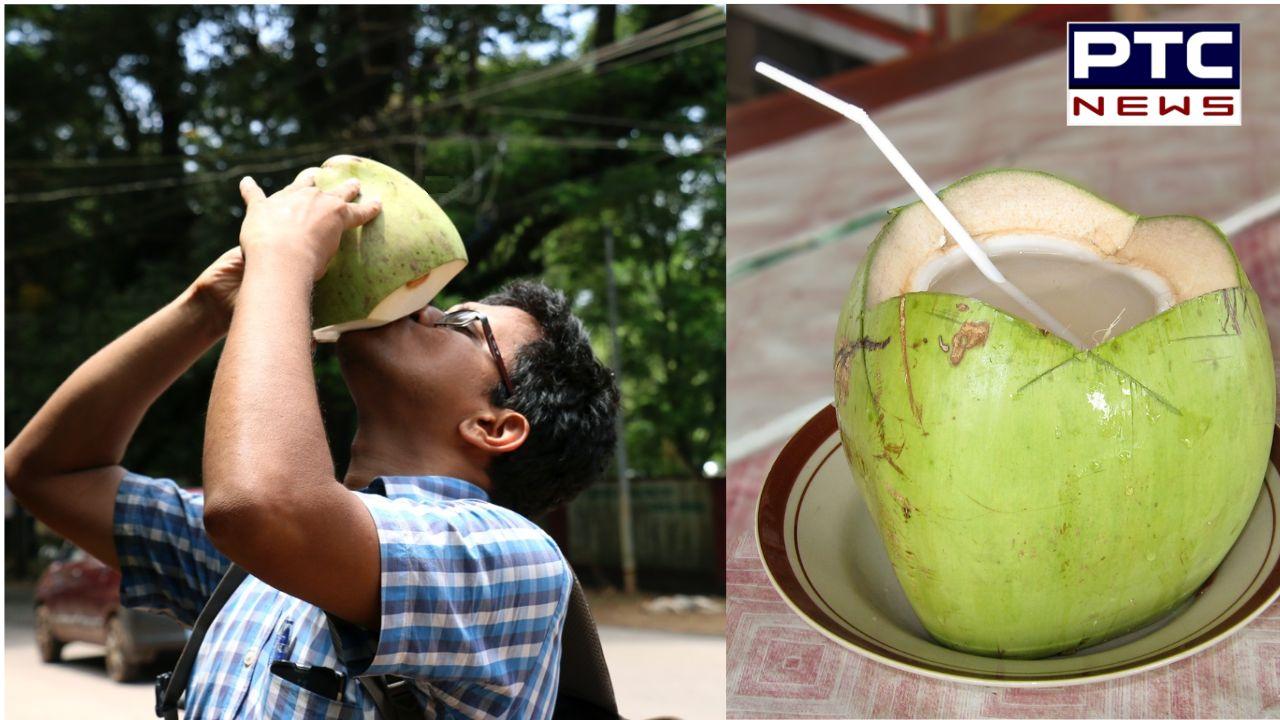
[264,435]
[272,503]
[89,420]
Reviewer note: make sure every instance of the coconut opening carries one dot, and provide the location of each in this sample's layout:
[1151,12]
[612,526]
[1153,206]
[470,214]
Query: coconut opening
[1052,238]
[408,298]
[1095,298]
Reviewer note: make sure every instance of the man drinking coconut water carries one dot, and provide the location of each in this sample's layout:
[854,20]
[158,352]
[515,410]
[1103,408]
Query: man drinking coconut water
[420,563]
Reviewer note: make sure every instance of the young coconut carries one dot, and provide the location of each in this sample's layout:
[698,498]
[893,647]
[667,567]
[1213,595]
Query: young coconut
[1035,497]
[392,266]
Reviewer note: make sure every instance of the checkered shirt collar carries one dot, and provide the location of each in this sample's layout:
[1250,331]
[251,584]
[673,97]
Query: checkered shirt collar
[425,487]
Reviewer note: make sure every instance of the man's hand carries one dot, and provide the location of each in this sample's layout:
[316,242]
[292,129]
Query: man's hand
[301,223]
[272,502]
[64,467]
[216,288]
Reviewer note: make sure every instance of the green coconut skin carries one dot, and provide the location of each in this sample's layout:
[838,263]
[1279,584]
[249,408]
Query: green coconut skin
[1035,498]
[408,239]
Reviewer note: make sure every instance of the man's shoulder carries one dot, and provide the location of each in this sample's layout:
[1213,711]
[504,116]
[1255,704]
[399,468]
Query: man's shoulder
[479,513]
[475,526]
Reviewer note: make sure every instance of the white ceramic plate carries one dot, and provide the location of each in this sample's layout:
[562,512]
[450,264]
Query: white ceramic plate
[823,554]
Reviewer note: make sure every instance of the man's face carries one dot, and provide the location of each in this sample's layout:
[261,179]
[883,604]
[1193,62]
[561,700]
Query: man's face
[450,369]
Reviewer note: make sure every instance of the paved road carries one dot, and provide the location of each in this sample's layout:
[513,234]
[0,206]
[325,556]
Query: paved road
[75,688]
[663,674]
[655,674]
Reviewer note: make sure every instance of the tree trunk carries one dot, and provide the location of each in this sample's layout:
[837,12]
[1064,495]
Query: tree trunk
[309,75]
[606,24]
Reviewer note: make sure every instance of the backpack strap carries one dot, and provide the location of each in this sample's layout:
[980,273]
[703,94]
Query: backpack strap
[586,690]
[169,685]
[391,695]
[584,674]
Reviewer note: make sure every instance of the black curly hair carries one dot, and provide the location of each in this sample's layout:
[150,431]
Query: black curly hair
[569,398]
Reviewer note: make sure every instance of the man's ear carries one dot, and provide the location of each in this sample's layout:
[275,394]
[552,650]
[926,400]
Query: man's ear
[495,431]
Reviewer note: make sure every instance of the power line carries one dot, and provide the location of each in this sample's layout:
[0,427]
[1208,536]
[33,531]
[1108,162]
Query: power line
[645,57]
[181,181]
[670,31]
[458,189]
[44,248]
[572,143]
[694,22]
[357,50]
[47,246]
[71,163]
[651,55]
[601,120]
[276,93]
[658,35]
[683,27]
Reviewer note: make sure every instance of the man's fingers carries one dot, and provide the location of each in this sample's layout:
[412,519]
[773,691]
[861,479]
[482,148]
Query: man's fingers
[358,214]
[348,190]
[250,192]
[306,177]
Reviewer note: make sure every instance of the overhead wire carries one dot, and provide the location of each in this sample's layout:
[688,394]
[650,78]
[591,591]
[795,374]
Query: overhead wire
[651,55]
[276,93]
[622,47]
[650,39]
[694,22]
[456,191]
[586,119]
[178,181]
[77,163]
[658,35]
[13,252]
[366,44]
[299,161]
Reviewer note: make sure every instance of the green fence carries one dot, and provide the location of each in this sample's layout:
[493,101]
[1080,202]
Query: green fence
[678,524]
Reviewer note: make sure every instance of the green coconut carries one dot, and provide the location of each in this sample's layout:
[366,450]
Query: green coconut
[1036,497]
[394,265]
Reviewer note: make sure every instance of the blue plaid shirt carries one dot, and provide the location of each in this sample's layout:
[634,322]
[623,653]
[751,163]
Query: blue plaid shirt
[473,602]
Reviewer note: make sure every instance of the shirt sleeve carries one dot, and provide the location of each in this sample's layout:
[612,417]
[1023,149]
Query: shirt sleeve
[471,592]
[167,562]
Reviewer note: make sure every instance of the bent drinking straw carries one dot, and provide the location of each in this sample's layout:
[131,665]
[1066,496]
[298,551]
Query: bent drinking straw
[931,201]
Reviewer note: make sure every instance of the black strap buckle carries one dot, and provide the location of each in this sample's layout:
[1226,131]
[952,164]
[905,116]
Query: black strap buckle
[162,682]
[400,694]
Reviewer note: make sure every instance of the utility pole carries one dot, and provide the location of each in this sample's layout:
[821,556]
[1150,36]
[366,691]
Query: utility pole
[626,537]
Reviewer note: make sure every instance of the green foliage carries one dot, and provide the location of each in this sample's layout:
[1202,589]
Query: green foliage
[128,128]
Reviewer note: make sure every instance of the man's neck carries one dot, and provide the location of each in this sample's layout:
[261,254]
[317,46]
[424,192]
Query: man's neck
[374,454]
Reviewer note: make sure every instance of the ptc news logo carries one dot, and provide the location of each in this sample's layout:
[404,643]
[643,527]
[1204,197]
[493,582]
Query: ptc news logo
[1153,73]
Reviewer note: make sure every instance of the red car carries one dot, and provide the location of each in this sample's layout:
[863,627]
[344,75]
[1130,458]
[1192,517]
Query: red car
[78,599]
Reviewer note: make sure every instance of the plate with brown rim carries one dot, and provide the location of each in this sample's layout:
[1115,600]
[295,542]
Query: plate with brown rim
[824,556]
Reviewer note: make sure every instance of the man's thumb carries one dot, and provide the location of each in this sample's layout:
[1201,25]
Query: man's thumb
[250,192]
[360,213]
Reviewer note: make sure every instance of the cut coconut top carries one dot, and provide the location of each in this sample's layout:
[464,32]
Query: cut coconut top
[391,267]
[408,298]
[1016,211]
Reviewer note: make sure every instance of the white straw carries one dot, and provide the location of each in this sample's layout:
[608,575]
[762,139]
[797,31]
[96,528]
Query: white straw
[1251,215]
[931,201]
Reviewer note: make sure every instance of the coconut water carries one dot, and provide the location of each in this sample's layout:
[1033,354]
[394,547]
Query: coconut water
[1095,299]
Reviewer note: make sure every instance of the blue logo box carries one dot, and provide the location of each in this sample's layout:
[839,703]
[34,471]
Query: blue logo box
[1136,71]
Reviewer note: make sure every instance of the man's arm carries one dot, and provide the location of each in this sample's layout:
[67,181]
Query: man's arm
[64,467]
[272,501]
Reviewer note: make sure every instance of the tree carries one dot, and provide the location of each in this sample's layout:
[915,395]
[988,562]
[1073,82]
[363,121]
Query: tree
[538,129]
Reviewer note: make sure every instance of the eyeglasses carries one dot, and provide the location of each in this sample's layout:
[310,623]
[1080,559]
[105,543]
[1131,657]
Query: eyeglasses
[464,318]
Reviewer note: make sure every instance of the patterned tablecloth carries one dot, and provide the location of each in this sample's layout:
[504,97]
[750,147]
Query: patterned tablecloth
[825,192]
